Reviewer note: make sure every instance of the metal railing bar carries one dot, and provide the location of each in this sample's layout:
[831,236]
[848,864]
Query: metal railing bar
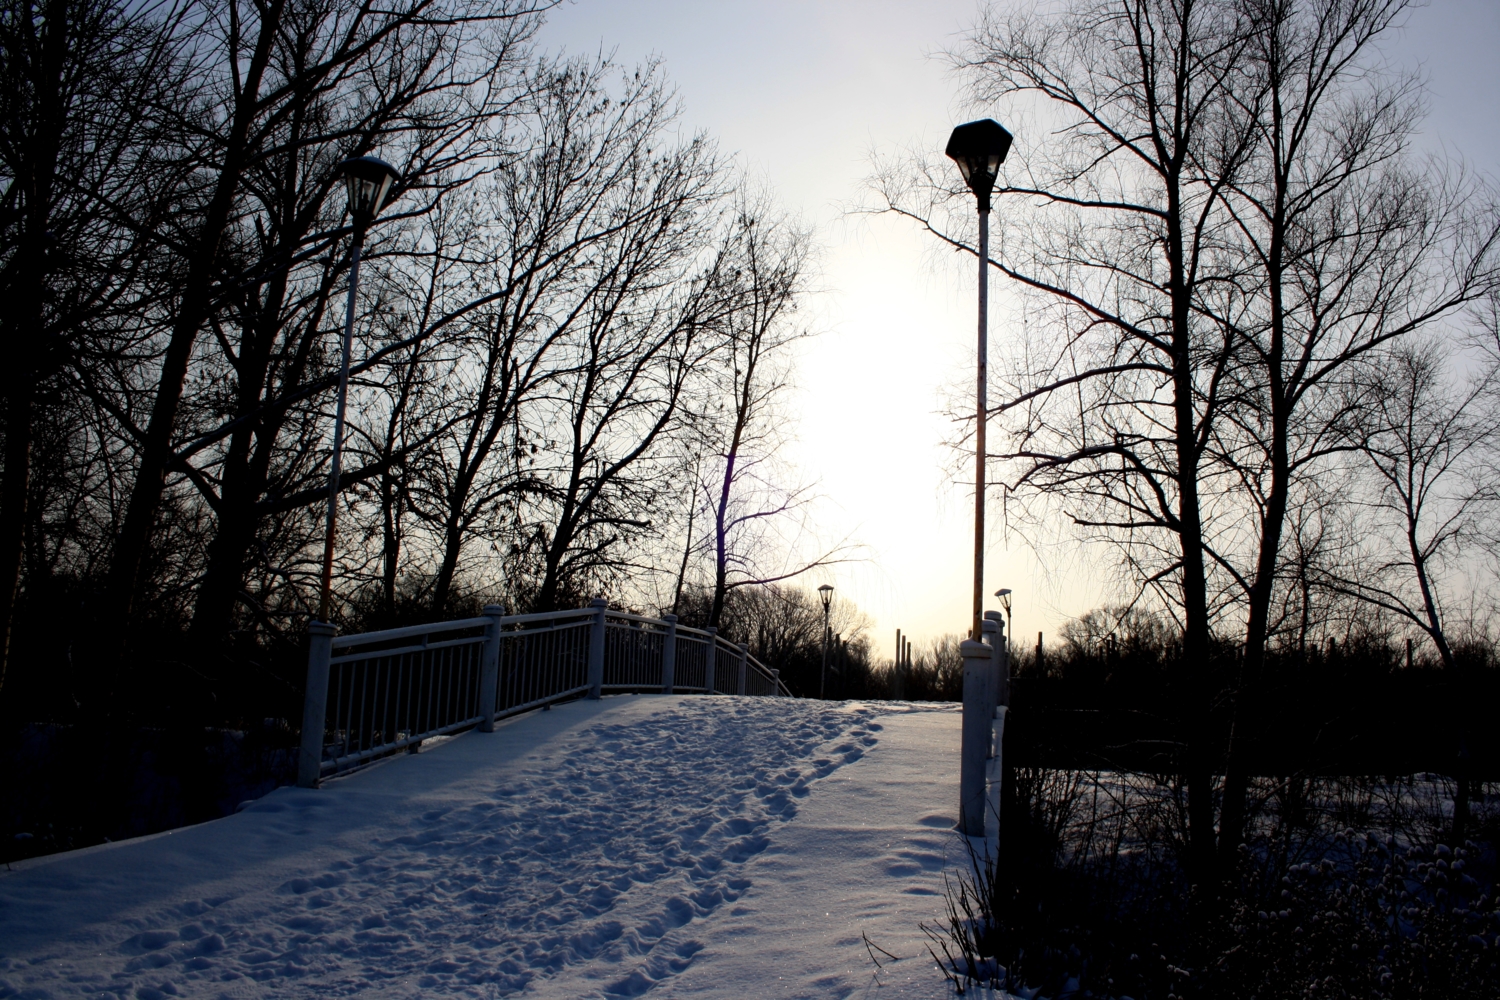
[646,688]
[565,627]
[541,616]
[376,654]
[387,635]
[627,616]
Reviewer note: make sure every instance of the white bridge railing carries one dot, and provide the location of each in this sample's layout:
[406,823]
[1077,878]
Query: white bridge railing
[378,693]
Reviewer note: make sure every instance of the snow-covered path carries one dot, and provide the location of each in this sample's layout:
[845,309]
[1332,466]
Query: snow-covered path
[669,846]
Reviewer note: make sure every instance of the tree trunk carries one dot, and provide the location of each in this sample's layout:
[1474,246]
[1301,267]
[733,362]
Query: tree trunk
[390,538]
[1195,667]
[246,467]
[721,539]
[687,550]
[453,540]
[214,610]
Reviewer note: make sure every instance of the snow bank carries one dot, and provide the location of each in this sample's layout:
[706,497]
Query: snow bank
[681,846]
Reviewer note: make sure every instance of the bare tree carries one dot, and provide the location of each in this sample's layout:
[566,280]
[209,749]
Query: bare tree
[1347,247]
[1425,435]
[578,230]
[757,519]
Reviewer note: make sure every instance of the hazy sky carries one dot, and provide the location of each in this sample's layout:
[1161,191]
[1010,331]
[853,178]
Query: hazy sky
[802,93]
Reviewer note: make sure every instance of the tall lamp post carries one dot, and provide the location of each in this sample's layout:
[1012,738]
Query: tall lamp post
[979,148]
[369,181]
[825,592]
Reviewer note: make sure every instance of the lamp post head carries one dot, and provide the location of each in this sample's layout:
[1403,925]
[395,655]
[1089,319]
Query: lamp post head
[369,181]
[826,593]
[1004,594]
[979,148]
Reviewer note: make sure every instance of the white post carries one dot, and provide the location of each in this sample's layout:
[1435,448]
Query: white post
[708,659]
[596,649]
[489,678]
[315,703]
[775,683]
[744,664]
[669,654]
[977,726]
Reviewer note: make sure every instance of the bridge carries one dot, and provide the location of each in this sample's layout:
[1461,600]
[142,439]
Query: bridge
[582,803]
[373,694]
[657,845]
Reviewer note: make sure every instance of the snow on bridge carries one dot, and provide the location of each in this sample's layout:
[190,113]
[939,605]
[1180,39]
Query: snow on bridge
[638,845]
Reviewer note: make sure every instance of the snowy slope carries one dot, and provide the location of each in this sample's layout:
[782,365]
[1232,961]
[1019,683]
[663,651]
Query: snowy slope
[676,846]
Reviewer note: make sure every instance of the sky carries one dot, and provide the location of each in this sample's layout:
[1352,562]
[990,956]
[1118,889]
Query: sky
[803,94]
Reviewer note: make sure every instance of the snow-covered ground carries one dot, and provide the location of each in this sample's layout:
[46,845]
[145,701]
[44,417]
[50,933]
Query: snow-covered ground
[638,845]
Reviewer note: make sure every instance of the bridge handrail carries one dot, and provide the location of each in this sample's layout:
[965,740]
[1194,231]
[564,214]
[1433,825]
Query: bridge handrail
[368,702]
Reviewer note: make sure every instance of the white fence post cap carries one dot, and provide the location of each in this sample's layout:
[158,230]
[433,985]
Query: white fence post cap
[322,628]
[598,602]
[969,649]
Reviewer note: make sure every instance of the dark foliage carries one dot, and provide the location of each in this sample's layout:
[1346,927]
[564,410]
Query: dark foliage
[1089,894]
[1124,701]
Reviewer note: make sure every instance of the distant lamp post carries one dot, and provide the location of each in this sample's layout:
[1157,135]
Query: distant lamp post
[979,148]
[369,181]
[826,593]
[1004,594]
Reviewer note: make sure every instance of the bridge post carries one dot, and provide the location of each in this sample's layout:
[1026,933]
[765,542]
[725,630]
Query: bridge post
[744,664]
[978,727]
[669,654]
[596,649]
[489,677]
[315,703]
[708,659]
[775,683]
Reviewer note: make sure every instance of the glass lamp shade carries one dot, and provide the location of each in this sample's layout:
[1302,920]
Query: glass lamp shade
[826,593]
[369,181]
[979,148]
